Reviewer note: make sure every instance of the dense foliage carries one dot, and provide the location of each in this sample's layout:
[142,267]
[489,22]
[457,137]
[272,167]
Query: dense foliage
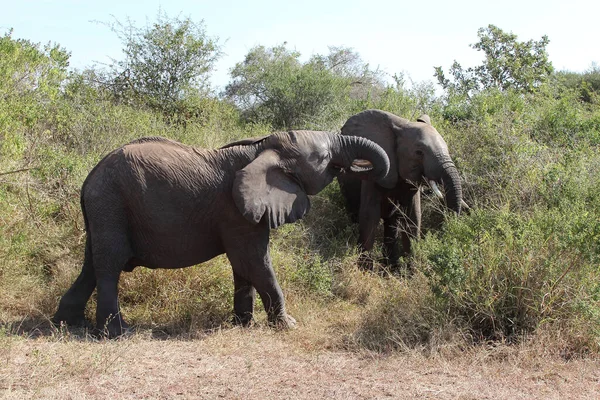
[524,263]
[273,86]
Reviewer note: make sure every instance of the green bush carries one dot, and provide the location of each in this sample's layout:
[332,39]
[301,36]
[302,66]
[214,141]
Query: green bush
[503,274]
[407,102]
[586,84]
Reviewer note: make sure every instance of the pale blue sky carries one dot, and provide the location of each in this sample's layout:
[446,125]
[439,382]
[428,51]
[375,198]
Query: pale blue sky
[410,37]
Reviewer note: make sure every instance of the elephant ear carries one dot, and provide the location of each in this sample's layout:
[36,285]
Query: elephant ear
[424,118]
[263,187]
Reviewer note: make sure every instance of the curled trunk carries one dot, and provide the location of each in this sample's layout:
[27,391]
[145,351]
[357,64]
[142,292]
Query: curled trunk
[351,148]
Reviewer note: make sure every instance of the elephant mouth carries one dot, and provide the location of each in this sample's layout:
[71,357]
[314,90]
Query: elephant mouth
[360,165]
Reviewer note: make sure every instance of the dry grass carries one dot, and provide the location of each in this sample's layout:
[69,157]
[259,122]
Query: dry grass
[327,356]
[264,364]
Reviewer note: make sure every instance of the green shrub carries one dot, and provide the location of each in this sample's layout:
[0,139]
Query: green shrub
[586,84]
[165,66]
[502,274]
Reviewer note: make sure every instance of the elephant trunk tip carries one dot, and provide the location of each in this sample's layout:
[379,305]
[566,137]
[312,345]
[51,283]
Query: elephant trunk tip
[457,206]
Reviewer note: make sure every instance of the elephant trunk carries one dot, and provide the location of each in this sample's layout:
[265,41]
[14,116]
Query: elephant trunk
[452,186]
[348,149]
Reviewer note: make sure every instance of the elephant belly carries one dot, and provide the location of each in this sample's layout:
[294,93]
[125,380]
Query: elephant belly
[175,251]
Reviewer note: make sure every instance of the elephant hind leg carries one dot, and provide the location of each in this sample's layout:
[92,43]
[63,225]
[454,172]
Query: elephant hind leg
[71,309]
[111,254]
[243,300]
[109,321]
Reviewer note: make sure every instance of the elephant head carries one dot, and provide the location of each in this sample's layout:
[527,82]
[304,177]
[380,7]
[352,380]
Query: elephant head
[416,151]
[292,165]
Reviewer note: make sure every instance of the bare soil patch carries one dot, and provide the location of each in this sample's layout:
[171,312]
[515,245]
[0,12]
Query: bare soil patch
[262,364]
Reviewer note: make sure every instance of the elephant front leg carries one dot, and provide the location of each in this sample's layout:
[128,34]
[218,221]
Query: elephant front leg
[391,230]
[409,224]
[272,298]
[264,280]
[251,263]
[412,222]
[243,300]
[368,220]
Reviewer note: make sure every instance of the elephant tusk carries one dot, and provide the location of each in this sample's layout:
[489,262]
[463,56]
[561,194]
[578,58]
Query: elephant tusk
[435,189]
[439,194]
[464,205]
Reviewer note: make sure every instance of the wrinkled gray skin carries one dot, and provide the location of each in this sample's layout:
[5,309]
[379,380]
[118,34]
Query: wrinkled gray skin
[160,204]
[417,152]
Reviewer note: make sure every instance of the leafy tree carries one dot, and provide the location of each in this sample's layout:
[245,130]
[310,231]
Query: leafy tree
[25,67]
[273,86]
[30,77]
[346,63]
[508,64]
[164,63]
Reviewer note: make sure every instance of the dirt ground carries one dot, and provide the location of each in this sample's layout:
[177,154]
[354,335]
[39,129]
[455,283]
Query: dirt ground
[245,364]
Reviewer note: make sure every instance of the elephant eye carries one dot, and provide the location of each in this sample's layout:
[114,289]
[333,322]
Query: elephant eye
[419,153]
[319,157]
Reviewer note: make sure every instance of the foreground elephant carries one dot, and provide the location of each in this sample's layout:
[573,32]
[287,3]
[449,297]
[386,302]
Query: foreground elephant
[417,152]
[160,204]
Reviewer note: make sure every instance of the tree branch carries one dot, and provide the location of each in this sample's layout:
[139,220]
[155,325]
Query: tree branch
[17,171]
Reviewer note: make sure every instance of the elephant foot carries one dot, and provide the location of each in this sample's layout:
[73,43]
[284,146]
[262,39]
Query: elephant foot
[365,262]
[403,270]
[70,319]
[283,322]
[245,320]
[114,327]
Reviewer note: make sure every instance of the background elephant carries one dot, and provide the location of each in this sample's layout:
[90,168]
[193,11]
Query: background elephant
[160,204]
[417,152]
